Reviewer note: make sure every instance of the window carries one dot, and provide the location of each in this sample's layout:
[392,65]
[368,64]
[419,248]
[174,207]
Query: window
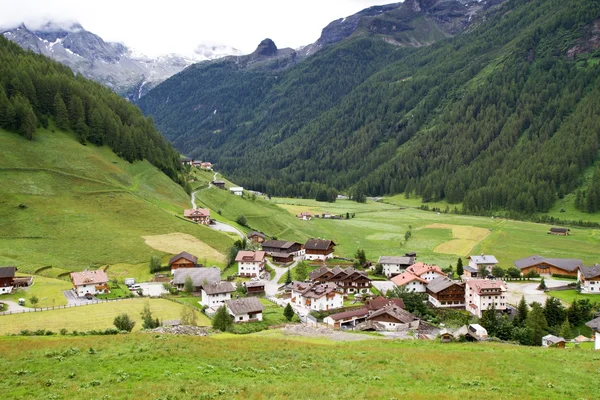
[240,318]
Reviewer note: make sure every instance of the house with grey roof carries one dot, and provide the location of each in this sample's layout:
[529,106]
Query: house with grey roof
[472,270]
[443,292]
[595,325]
[549,266]
[553,341]
[199,276]
[589,279]
[248,309]
[395,265]
[215,294]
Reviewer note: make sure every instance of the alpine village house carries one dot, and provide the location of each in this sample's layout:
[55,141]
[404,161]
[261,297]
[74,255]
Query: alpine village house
[319,249]
[250,263]
[183,260]
[199,215]
[349,280]
[89,282]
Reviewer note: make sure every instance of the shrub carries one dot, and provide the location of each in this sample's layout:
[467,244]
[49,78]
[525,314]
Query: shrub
[148,321]
[123,323]
[222,321]
[241,220]
[63,331]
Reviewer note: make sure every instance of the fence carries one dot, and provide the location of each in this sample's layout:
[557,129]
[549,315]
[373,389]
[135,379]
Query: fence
[41,309]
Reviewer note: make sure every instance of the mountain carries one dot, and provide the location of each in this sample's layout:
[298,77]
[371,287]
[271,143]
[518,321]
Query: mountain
[503,116]
[112,64]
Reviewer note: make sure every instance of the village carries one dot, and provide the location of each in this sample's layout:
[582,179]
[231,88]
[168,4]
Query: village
[348,294]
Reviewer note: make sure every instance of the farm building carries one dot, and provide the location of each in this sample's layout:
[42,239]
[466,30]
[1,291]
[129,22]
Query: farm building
[199,276]
[549,266]
[199,215]
[282,251]
[90,282]
[553,341]
[255,288]
[219,184]
[256,237]
[183,260]
[238,191]
[305,216]
[247,309]
[559,231]
[7,276]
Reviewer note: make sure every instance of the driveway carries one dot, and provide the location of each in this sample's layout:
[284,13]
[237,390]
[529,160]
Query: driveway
[383,286]
[13,307]
[154,289]
[516,290]
[73,299]
[272,287]
[220,226]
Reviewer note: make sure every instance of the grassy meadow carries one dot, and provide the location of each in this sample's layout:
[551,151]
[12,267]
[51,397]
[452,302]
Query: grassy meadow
[47,290]
[93,317]
[275,367]
[71,207]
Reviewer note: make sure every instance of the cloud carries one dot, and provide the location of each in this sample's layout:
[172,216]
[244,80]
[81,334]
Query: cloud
[179,26]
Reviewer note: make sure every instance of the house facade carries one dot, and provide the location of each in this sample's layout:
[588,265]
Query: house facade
[250,263]
[90,282]
[553,341]
[392,317]
[199,215]
[7,276]
[477,262]
[395,265]
[316,296]
[238,191]
[443,292]
[199,277]
[417,276]
[183,260]
[215,294]
[247,309]
[282,249]
[480,294]
[319,249]
[349,280]
[256,237]
[206,165]
[347,319]
[549,266]
[589,279]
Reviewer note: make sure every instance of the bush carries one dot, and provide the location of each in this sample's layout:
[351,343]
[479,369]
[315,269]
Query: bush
[562,276]
[222,321]
[241,220]
[532,274]
[123,323]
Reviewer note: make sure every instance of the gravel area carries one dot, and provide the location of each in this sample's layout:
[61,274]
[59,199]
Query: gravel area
[180,330]
[323,332]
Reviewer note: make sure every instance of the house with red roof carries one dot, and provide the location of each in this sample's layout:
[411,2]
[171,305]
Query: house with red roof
[90,282]
[199,215]
[250,263]
[480,294]
[417,276]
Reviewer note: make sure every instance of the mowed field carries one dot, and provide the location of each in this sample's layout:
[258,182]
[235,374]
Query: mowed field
[74,207]
[95,316]
[256,367]
[379,229]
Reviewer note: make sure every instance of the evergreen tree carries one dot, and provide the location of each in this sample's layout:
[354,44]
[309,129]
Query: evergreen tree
[222,321]
[8,114]
[155,264]
[301,271]
[536,321]
[28,124]
[522,312]
[489,320]
[459,267]
[554,312]
[288,312]
[188,285]
[61,114]
[76,110]
[288,277]
[147,321]
[360,256]
[565,330]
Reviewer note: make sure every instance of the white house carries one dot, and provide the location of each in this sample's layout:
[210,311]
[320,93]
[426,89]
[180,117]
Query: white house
[92,282]
[319,249]
[477,331]
[392,317]
[316,296]
[247,309]
[595,325]
[480,294]
[395,265]
[7,277]
[215,294]
[589,279]
[553,341]
[250,263]
[475,262]
[238,191]
[347,319]
[417,276]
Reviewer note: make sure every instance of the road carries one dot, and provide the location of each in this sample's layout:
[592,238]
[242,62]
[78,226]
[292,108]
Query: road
[272,286]
[13,307]
[529,289]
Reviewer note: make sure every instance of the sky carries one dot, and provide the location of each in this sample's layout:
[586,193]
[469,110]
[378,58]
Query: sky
[179,26]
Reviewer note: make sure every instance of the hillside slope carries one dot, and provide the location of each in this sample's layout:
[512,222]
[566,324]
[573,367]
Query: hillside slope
[71,207]
[503,116]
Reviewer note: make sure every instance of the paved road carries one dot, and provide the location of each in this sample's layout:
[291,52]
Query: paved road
[529,289]
[271,287]
[218,226]
[13,307]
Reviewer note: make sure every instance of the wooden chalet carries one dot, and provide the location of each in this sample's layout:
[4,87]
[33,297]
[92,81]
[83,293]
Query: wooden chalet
[446,293]
[347,319]
[559,231]
[350,280]
[380,302]
[219,184]
[187,161]
[282,251]
[199,215]
[257,237]
[7,276]
[319,249]
[183,260]
[392,317]
[553,341]
[255,288]
[549,266]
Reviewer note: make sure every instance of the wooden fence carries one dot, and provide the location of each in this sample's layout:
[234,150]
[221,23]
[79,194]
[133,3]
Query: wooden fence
[87,303]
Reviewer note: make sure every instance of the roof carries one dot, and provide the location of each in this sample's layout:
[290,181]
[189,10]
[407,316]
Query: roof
[395,312]
[590,272]
[317,273]
[305,214]
[337,273]
[245,305]
[484,259]
[441,283]
[420,268]
[361,312]
[198,275]
[196,212]
[551,339]
[567,264]
[478,285]
[380,302]
[318,244]
[594,324]
[219,288]
[279,244]
[218,182]
[407,277]
[236,189]
[255,233]
[7,272]
[281,255]
[399,260]
[559,230]
[250,256]
[255,284]
[185,255]
[89,277]
[313,290]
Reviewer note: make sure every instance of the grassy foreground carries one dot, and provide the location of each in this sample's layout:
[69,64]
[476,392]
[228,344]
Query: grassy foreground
[93,317]
[251,367]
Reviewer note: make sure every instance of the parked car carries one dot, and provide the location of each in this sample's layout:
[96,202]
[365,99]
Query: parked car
[129,282]
[135,287]
[89,296]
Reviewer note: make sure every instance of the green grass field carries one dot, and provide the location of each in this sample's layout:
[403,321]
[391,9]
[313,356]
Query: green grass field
[274,367]
[568,296]
[96,316]
[83,206]
[47,290]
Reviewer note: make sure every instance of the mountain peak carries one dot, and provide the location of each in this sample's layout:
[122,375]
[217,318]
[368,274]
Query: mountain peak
[266,48]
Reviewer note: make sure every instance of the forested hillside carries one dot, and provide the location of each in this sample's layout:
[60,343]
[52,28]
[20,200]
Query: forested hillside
[503,116]
[35,90]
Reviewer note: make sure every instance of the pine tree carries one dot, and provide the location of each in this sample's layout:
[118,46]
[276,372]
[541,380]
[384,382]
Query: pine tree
[222,321]
[554,312]
[459,267]
[28,124]
[288,277]
[76,111]
[565,330]
[288,312]
[147,321]
[8,114]
[536,321]
[61,114]
[522,312]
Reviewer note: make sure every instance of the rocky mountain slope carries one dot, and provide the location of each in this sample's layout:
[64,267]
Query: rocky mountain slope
[112,64]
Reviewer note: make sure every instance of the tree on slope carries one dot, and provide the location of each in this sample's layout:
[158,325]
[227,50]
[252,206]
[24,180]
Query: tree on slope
[536,321]
[288,312]
[124,323]
[222,321]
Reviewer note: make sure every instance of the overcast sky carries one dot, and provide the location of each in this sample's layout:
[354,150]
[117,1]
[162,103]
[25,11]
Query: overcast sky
[178,26]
